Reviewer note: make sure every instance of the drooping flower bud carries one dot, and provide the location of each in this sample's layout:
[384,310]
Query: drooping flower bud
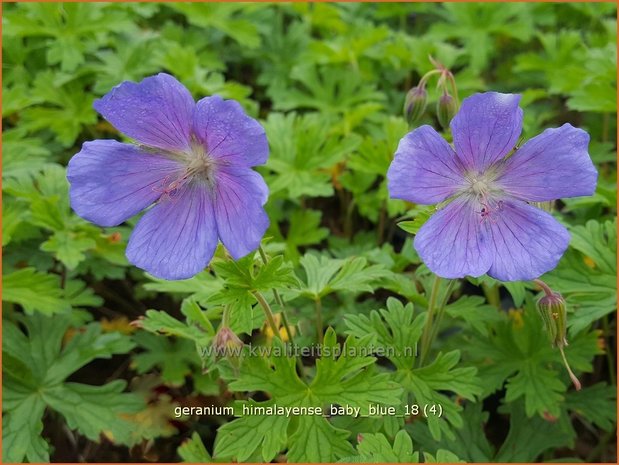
[553,312]
[446,108]
[226,343]
[415,104]
[552,309]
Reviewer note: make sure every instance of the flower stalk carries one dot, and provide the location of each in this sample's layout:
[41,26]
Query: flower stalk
[426,338]
[318,306]
[441,311]
[492,294]
[286,324]
[268,313]
[417,97]
[573,377]
[553,311]
[278,299]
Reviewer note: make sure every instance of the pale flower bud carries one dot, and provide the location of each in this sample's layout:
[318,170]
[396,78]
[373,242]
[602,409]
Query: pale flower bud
[552,309]
[553,312]
[446,109]
[226,343]
[415,104]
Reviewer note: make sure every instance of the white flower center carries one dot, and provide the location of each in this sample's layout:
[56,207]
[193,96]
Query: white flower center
[202,168]
[482,185]
[199,168]
[479,186]
[485,194]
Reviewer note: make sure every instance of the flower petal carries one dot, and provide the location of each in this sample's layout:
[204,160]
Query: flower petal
[156,111]
[111,182]
[527,242]
[453,243]
[177,238]
[229,133]
[551,166]
[240,194]
[486,128]
[425,168]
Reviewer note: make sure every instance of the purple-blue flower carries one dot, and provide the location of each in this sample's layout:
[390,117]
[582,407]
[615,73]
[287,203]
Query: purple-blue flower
[193,164]
[488,224]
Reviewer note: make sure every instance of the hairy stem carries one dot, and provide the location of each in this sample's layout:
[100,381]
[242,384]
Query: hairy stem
[225,319]
[454,88]
[545,287]
[573,377]
[425,77]
[441,311]
[492,295]
[427,330]
[268,313]
[280,302]
[278,299]
[318,305]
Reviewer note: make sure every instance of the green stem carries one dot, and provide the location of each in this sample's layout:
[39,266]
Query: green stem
[425,77]
[225,320]
[348,220]
[318,305]
[278,299]
[605,124]
[263,254]
[268,313]
[573,377]
[492,295]
[441,310]
[427,330]
[280,302]
[545,287]
[454,88]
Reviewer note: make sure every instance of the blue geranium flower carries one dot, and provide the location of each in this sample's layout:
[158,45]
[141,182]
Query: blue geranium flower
[192,164]
[488,224]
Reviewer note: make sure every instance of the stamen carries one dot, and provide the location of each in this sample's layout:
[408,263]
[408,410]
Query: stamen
[199,167]
[161,187]
[170,190]
[489,209]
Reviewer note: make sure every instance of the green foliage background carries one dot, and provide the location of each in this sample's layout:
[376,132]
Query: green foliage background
[328,82]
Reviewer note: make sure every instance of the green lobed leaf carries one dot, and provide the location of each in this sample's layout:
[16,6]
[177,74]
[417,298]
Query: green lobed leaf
[375,448]
[325,275]
[241,438]
[317,441]
[597,404]
[174,357]
[36,365]
[394,329]
[34,291]
[193,451]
